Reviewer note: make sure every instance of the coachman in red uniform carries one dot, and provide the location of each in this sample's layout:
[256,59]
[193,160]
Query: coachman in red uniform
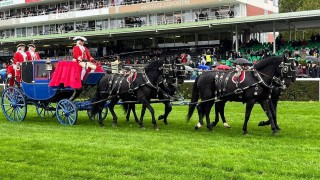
[32,54]
[82,56]
[18,57]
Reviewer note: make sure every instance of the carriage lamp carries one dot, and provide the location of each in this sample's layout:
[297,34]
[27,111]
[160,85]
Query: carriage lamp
[48,65]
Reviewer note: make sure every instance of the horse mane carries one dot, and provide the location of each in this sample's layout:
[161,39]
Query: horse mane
[265,62]
[156,64]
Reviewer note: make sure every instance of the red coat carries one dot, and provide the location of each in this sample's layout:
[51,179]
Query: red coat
[30,58]
[18,58]
[82,56]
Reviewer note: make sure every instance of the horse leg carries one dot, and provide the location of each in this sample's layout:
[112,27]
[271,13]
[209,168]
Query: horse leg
[167,110]
[249,107]
[143,111]
[100,117]
[274,105]
[133,106]
[128,111]
[207,113]
[146,103]
[113,102]
[216,111]
[269,114]
[200,114]
[225,124]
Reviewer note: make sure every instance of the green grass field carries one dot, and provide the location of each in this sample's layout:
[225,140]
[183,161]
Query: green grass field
[40,148]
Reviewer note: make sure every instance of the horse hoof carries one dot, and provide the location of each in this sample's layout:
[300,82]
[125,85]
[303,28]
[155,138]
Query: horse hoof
[226,125]
[114,125]
[213,125]
[279,129]
[275,132]
[127,119]
[166,124]
[161,117]
[261,123]
[102,125]
[142,127]
[245,133]
[157,129]
[210,129]
[196,128]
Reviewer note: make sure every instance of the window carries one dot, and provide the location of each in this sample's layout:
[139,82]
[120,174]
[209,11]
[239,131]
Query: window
[41,72]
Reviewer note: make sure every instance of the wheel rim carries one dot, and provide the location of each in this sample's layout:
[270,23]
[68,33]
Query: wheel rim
[104,114]
[13,104]
[47,112]
[66,112]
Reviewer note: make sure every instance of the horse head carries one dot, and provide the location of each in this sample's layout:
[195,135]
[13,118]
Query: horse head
[287,71]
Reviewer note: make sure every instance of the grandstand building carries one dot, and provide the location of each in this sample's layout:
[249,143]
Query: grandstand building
[128,25]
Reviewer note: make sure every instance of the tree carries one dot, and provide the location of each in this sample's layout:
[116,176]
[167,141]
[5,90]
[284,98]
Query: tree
[289,5]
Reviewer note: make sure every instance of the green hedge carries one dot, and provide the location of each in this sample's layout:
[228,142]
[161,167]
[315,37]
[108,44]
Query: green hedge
[299,91]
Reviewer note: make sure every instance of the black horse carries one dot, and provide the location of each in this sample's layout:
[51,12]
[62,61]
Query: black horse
[114,87]
[249,87]
[167,94]
[278,88]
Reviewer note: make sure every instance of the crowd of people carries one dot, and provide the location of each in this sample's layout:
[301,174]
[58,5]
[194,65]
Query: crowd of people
[41,10]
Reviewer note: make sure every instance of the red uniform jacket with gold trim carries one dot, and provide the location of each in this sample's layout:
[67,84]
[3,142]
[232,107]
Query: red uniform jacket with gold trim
[30,58]
[80,55]
[18,58]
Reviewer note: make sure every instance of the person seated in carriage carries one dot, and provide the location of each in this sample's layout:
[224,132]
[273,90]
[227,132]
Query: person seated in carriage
[82,56]
[32,54]
[14,71]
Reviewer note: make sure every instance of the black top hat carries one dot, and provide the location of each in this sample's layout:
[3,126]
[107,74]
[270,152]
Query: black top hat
[19,45]
[31,45]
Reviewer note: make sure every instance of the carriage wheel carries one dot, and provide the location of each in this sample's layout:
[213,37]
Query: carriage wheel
[66,112]
[13,104]
[95,117]
[49,111]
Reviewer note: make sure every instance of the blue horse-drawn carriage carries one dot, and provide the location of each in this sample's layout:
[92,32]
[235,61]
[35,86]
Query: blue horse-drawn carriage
[56,101]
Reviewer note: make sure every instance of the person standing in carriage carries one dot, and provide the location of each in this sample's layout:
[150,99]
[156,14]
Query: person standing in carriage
[14,70]
[82,56]
[32,54]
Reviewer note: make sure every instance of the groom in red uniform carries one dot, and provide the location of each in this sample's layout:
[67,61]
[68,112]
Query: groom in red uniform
[32,54]
[14,70]
[82,56]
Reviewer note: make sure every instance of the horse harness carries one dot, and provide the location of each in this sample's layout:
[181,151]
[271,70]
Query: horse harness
[221,82]
[166,69]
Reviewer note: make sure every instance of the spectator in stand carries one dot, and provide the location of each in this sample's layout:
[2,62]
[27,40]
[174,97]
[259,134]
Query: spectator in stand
[217,14]
[296,53]
[196,17]
[201,16]
[231,13]
[183,58]
[313,38]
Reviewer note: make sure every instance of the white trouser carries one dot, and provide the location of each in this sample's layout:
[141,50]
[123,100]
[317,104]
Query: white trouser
[87,65]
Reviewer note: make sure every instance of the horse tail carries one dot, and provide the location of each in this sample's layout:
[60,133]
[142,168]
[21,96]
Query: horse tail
[194,99]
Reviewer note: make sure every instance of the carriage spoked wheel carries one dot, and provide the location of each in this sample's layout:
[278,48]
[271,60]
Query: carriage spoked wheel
[46,112]
[66,112]
[13,104]
[95,117]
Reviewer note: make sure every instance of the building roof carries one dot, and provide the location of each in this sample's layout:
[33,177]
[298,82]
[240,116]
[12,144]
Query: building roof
[264,23]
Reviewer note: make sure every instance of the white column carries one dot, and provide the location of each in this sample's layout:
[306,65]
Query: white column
[237,41]
[290,31]
[196,39]
[274,37]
